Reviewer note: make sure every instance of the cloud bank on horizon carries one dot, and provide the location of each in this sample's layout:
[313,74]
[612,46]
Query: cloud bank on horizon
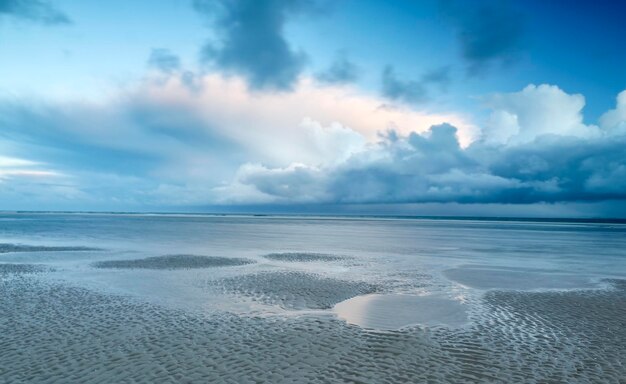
[258,121]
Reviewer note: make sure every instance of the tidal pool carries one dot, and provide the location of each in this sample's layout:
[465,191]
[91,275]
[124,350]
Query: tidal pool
[395,311]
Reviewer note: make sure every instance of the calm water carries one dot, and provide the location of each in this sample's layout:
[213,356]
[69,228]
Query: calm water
[405,255]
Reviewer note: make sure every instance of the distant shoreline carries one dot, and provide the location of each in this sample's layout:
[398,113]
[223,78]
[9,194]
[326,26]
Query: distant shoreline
[590,220]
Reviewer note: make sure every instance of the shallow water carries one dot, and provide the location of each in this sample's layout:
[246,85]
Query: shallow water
[325,299]
[393,311]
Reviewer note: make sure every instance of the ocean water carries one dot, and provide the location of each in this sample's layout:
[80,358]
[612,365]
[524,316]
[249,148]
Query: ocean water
[197,298]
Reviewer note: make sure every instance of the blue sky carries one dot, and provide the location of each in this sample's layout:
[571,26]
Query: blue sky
[435,106]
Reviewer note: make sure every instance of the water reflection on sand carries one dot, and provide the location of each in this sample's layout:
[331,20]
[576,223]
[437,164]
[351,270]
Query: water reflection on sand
[395,311]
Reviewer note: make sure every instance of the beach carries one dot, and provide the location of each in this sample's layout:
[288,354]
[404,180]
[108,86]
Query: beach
[129,298]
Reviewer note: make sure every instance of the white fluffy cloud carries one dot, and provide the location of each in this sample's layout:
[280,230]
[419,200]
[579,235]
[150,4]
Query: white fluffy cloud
[614,121]
[521,117]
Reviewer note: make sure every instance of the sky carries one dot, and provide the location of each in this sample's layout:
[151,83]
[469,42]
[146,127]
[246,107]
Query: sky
[431,107]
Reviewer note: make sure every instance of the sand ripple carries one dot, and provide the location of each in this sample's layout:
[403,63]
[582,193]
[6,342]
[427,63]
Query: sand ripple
[295,290]
[6,248]
[173,262]
[15,269]
[54,333]
[303,257]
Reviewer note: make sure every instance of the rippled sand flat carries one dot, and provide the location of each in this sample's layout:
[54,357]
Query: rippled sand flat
[14,269]
[7,248]
[65,334]
[408,301]
[303,257]
[295,290]
[173,262]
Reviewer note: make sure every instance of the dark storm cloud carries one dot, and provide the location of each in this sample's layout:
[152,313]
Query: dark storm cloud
[33,10]
[251,41]
[413,91]
[570,169]
[433,167]
[341,71]
[164,60]
[488,30]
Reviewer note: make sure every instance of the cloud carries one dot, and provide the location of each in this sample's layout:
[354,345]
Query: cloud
[615,119]
[276,127]
[250,40]
[15,168]
[438,76]
[164,143]
[130,135]
[6,161]
[520,117]
[566,168]
[164,60]
[297,182]
[488,30]
[423,171]
[412,91]
[24,181]
[403,90]
[341,71]
[331,144]
[553,157]
[427,167]
[34,10]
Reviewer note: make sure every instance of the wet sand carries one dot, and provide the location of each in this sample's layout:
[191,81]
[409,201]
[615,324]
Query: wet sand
[325,302]
[173,262]
[303,257]
[6,248]
[18,269]
[294,290]
[65,334]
